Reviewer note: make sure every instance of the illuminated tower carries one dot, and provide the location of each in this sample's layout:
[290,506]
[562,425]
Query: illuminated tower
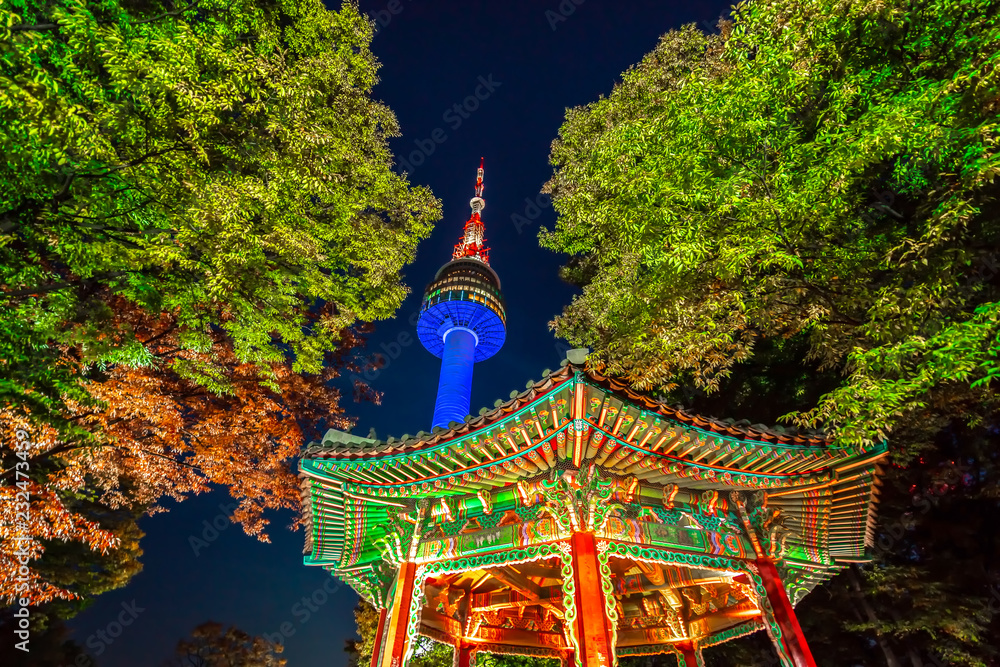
[462,318]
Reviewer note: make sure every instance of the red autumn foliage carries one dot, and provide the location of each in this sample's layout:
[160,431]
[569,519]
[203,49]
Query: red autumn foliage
[159,434]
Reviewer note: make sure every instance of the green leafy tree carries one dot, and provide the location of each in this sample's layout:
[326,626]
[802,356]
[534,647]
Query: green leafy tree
[197,207]
[931,595]
[819,168]
[359,651]
[220,161]
[495,660]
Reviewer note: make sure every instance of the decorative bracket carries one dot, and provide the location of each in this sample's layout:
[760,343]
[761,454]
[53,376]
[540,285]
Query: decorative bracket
[405,525]
[580,500]
[765,526]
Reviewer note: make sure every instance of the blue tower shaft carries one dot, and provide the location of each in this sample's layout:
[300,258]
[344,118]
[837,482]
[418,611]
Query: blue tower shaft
[455,385]
[462,317]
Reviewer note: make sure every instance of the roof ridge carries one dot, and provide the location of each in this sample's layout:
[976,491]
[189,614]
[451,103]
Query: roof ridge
[576,361]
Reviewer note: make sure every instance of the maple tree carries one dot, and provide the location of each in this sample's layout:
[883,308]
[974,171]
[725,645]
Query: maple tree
[162,433]
[73,566]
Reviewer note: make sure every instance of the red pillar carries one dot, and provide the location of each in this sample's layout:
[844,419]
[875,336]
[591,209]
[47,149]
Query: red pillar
[689,655]
[593,630]
[784,614]
[463,654]
[379,639]
[398,617]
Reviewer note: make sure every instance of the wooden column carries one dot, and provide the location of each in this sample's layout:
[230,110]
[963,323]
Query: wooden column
[592,625]
[379,638]
[398,618]
[464,654]
[690,656]
[792,639]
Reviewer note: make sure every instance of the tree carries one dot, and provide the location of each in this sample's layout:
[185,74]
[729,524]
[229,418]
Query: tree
[72,566]
[197,208]
[165,434]
[359,651]
[205,159]
[212,646]
[426,652]
[931,595]
[50,645]
[222,162]
[819,168]
[499,660]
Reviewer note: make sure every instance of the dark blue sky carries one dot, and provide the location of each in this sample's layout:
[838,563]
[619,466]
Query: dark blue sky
[434,56]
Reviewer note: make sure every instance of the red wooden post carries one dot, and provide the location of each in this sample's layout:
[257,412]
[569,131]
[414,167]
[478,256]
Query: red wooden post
[592,628]
[463,654]
[791,633]
[379,639]
[689,655]
[399,617]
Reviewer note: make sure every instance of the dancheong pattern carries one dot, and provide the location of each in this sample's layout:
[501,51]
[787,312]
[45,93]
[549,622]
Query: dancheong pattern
[678,504]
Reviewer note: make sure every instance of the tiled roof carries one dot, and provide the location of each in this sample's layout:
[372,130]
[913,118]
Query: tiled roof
[338,443]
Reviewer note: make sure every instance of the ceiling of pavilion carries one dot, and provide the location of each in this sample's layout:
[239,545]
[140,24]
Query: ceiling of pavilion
[522,605]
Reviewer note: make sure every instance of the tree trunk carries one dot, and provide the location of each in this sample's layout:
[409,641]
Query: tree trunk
[911,652]
[890,657]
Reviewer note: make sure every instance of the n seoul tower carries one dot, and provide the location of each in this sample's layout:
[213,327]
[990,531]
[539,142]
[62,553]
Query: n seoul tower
[462,319]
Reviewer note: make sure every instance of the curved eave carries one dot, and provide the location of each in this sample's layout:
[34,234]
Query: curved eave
[828,494]
[512,433]
[743,431]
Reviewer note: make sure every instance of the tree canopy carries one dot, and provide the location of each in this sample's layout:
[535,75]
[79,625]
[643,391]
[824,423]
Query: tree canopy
[197,210]
[210,645]
[820,168]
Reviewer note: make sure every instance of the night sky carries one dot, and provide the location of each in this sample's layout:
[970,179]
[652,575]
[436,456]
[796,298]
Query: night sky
[434,56]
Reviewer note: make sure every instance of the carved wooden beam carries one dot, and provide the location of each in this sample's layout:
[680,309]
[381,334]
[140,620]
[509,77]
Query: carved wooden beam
[505,600]
[740,611]
[515,637]
[518,582]
[652,571]
[441,623]
[639,637]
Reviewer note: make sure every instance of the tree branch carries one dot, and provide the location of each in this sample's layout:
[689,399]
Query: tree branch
[38,27]
[166,14]
[55,287]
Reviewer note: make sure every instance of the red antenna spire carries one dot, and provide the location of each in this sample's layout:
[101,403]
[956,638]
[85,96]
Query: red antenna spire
[472,243]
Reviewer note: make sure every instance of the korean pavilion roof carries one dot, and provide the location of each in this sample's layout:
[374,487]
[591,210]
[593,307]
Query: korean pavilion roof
[574,417]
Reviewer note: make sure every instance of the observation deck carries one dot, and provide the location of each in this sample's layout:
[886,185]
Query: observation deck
[463,318]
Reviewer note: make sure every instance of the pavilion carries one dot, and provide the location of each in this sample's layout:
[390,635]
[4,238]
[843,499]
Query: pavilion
[583,520]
